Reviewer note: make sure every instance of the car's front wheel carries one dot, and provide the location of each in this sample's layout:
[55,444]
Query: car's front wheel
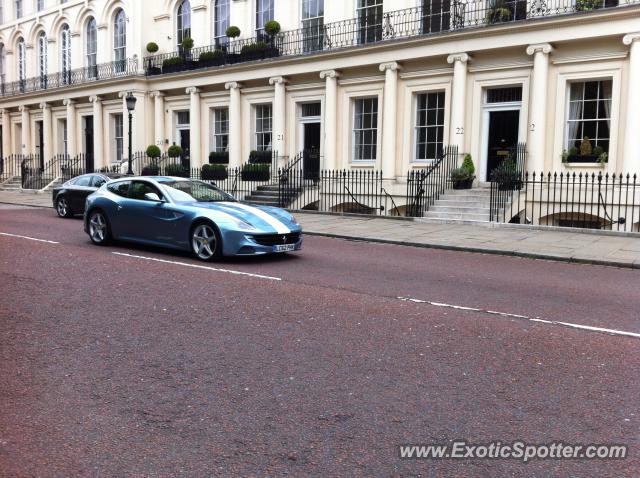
[205,242]
[62,207]
[99,228]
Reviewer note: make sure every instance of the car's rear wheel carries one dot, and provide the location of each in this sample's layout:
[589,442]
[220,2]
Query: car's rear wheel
[99,228]
[62,207]
[205,242]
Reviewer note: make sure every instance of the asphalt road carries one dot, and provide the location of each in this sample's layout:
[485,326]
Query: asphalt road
[129,361]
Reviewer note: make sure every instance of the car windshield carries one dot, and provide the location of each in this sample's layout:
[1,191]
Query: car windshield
[188,191]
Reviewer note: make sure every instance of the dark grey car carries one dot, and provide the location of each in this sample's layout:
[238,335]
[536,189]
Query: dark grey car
[69,198]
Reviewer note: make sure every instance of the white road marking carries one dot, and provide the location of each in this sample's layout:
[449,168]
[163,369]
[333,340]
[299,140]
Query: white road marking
[28,238]
[524,317]
[197,266]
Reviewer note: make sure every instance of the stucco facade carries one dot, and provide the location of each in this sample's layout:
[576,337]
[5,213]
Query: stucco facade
[440,88]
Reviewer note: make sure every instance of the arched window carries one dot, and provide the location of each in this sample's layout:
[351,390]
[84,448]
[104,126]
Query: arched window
[120,41]
[92,47]
[220,21]
[22,64]
[184,22]
[42,59]
[65,54]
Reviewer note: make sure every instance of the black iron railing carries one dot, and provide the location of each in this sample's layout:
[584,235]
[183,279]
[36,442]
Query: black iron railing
[77,76]
[586,200]
[431,18]
[10,167]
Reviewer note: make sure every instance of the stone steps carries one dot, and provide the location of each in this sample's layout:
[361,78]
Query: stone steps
[468,205]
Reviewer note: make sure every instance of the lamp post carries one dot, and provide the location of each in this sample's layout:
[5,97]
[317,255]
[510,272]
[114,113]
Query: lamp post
[131,105]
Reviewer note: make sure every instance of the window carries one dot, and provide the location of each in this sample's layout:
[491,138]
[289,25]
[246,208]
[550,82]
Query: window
[1,12]
[369,15]
[118,136]
[183,119]
[120,41]
[83,181]
[98,181]
[121,188]
[221,129]
[504,95]
[436,15]
[40,5]
[92,47]
[65,54]
[263,127]
[589,113]
[22,66]
[18,8]
[429,125]
[184,22]
[264,13]
[42,59]
[313,24]
[140,188]
[220,22]
[3,58]
[65,148]
[365,129]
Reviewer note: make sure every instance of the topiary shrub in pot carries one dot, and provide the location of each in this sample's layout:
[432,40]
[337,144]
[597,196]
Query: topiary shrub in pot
[173,64]
[461,179]
[151,170]
[219,157]
[152,47]
[232,32]
[213,172]
[258,51]
[255,172]
[260,157]
[507,176]
[272,28]
[175,151]
[176,170]
[153,152]
[588,5]
[211,58]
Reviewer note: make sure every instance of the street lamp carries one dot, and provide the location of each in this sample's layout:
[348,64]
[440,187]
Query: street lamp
[131,105]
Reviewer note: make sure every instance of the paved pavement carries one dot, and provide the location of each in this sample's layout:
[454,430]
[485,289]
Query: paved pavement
[593,247]
[133,361]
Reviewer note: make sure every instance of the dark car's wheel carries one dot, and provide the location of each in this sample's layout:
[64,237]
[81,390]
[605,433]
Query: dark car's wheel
[99,228]
[205,242]
[62,207]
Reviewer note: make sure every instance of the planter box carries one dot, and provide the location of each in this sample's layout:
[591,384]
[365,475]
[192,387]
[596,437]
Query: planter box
[259,175]
[174,68]
[464,184]
[270,52]
[214,175]
[154,70]
[209,63]
[591,158]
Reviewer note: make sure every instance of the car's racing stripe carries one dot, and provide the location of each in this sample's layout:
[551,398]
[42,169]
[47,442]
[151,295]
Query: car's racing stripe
[272,221]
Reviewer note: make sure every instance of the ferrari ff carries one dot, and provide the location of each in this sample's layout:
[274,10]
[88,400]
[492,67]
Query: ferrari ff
[69,198]
[187,215]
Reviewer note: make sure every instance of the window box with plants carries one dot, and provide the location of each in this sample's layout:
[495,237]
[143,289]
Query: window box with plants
[173,64]
[260,157]
[219,157]
[211,58]
[462,177]
[507,176]
[214,172]
[586,154]
[255,172]
[259,50]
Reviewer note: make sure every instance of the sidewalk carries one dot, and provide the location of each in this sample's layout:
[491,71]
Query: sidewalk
[560,244]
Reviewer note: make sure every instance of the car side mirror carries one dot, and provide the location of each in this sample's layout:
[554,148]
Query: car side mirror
[152,197]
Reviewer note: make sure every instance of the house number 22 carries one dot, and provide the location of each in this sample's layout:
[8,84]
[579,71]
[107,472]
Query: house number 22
[459,130]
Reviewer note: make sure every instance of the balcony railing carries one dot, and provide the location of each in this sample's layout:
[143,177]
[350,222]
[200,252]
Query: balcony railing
[78,76]
[434,17]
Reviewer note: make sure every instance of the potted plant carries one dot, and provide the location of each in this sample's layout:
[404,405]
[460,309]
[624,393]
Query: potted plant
[213,172]
[588,5]
[258,50]
[219,157]
[255,172]
[585,153]
[175,151]
[507,176]
[173,64]
[176,170]
[152,47]
[211,58]
[232,32]
[260,157]
[462,177]
[499,12]
[151,170]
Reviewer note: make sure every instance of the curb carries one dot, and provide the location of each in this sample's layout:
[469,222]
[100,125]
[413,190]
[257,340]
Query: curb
[479,250]
[25,205]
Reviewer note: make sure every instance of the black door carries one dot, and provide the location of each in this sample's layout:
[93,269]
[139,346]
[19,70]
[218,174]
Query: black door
[311,161]
[88,141]
[41,144]
[185,143]
[503,138]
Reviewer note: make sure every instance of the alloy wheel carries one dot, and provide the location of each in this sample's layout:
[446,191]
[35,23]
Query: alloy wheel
[98,227]
[204,242]
[62,207]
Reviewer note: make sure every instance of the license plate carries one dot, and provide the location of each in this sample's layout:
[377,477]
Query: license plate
[284,248]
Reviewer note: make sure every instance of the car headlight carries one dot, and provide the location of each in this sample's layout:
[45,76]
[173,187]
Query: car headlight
[293,219]
[243,225]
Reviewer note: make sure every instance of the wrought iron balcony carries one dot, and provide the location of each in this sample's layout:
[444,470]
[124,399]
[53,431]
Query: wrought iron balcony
[434,17]
[88,74]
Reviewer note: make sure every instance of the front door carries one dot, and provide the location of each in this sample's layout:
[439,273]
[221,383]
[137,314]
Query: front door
[88,142]
[503,138]
[311,160]
[40,145]
[185,143]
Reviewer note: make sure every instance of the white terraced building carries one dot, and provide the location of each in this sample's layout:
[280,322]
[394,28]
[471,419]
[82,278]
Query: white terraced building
[372,85]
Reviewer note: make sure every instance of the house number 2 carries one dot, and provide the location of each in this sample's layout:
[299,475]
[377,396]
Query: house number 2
[533,127]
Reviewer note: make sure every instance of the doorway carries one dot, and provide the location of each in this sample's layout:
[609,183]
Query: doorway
[502,138]
[88,144]
[311,151]
[184,136]
[40,144]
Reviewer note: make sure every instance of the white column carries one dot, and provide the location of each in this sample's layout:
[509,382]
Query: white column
[6,132]
[25,139]
[98,133]
[47,129]
[235,124]
[71,127]
[195,126]
[279,115]
[389,119]
[538,106]
[158,120]
[329,148]
[631,152]
[458,99]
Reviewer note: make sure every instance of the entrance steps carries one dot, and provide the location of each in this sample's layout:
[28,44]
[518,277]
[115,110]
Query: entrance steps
[266,195]
[461,205]
[12,184]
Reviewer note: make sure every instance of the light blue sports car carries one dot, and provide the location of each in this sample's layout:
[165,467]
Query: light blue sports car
[188,215]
